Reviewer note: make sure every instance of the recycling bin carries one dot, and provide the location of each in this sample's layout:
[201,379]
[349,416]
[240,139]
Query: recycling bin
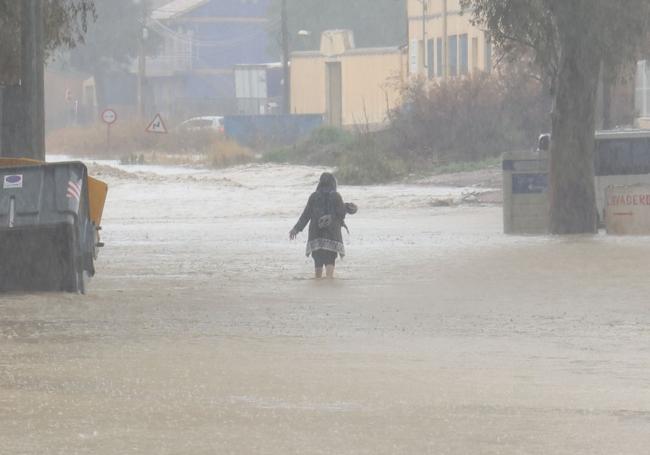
[49,234]
[525,194]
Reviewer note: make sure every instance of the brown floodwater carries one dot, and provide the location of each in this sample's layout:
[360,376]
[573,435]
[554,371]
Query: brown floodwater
[204,334]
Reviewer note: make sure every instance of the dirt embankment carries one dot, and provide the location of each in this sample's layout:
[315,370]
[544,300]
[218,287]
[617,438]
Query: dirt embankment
[484,178]
[481,187]
[487,182]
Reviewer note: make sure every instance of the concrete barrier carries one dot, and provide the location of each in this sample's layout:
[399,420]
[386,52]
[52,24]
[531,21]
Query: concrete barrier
[628,210]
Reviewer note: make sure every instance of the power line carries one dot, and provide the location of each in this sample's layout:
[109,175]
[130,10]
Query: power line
[165,31]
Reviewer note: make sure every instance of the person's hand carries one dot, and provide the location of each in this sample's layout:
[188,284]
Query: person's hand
[293,234]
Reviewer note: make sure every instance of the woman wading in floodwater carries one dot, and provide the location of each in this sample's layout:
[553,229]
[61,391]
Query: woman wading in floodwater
[325,212]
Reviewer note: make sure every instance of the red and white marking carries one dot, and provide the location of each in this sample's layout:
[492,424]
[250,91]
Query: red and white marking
[109,116]
[74,190]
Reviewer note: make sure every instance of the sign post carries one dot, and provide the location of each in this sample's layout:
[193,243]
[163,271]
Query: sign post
[157,125]
[109,116]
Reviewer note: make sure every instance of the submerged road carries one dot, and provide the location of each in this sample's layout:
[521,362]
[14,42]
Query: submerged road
[203,334]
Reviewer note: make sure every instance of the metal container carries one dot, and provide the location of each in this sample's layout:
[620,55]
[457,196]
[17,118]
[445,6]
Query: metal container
[48,225]
[525,194]
[628,210]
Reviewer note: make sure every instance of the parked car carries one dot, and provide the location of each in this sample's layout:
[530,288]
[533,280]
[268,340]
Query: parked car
[214,123]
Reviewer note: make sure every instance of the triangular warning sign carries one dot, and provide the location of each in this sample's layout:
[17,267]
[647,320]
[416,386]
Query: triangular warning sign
[157,125]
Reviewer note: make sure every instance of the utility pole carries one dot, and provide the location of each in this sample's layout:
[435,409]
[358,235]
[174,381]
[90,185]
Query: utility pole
[425,43]
[23,119]
[142,61]
[286,72]
[33,77]
[445,41]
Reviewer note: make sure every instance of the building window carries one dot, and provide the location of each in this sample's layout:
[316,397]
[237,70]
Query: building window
[439,57]
[452,55]
[463,54]
[474,54]
[422,56]
[414,52]
[430,60]
[488,53]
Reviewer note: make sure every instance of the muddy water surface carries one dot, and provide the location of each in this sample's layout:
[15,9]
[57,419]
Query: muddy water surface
[203,334]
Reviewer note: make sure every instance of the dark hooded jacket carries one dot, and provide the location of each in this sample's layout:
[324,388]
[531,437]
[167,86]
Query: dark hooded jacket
[325,200]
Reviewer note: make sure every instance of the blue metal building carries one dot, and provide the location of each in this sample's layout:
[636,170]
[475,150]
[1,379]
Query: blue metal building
[203,40]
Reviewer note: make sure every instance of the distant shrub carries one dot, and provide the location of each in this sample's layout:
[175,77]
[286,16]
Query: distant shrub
[322,147]
[327,135]
[368,162]
[224,153]
[281,155]
[471,118]
[131,141]
[467,166]
[453,126]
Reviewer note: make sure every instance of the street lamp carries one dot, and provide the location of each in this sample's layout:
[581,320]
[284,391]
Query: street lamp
[286,73]
[142,59]
[304,36]
[425,53]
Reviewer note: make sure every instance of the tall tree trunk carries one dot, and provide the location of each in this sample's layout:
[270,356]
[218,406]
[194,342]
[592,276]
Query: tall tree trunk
[607,104]
[33,78]
[573,197]
[609,79]
[23,105]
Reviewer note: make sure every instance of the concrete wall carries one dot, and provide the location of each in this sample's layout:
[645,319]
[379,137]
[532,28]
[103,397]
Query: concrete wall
[308,83]
[371,80]
[371,86]
[643,122]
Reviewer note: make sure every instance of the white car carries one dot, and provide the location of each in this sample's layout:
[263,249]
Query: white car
[213,123]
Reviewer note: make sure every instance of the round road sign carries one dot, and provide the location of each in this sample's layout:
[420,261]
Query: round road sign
[109,116]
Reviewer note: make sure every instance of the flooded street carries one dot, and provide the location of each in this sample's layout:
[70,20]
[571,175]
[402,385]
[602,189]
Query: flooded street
[204,334]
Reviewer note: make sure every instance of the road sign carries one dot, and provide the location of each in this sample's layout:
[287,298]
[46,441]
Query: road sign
[109,116]
[157,125]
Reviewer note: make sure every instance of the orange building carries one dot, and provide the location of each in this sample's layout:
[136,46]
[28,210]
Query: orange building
[443,42]
[350,86]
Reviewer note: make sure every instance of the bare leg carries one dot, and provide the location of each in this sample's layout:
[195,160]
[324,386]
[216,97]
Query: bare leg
[319,272]
[329,270]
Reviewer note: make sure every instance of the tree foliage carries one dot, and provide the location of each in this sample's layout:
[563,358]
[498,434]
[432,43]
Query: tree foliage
[571,42]
[112,39]
[470,119]
[607,31]
[65,23]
